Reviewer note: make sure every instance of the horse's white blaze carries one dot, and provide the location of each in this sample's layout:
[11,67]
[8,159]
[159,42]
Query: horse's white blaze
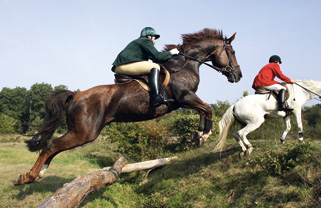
[253,109]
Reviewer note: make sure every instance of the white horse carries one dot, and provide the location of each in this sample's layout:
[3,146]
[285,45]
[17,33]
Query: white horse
[251,111]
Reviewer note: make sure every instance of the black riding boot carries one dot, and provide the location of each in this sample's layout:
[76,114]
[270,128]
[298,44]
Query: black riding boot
[156,99]
[281,101]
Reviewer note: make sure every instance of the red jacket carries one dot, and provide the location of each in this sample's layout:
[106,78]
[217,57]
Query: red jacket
[267,74]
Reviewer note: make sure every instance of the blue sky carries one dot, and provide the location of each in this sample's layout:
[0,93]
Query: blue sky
[74,42]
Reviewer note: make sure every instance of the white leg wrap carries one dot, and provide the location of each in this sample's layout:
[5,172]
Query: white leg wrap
[43,170]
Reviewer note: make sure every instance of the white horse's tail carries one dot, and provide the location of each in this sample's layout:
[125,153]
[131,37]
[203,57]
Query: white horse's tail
[224,125]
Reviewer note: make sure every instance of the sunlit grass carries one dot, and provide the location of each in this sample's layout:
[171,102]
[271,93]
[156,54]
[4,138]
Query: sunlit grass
[197,178]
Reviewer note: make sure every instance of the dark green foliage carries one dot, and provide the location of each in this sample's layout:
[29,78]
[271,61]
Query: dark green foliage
[26,107]
[184,125]
[277,164]
[7,124]
[14,103]
[219,108]
[138,141]
[312,115]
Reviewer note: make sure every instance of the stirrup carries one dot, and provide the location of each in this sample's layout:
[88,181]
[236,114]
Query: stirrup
[285,108]
[158,100]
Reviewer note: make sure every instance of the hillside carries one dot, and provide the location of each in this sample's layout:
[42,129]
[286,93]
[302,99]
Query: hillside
[273,176]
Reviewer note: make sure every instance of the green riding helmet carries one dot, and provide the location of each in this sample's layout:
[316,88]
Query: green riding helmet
[274,59]
[149,31]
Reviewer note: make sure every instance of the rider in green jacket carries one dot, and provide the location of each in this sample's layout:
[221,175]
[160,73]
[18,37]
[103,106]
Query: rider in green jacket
[133,60]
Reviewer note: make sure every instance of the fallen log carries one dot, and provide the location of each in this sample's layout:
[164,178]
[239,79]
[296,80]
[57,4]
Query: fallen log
[146,165]
[73,193]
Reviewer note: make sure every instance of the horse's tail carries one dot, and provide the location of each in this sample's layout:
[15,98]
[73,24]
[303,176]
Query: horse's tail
[224,125]
[54,109]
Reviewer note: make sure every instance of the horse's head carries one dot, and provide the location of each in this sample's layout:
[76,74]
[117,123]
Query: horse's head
[224,60]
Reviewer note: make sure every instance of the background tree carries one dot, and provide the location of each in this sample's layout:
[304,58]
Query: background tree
[13,103]
[219,108]
[7,124]
[37,97]
[312,116]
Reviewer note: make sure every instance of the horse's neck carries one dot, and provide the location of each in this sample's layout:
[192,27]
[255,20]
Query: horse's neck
[298,94]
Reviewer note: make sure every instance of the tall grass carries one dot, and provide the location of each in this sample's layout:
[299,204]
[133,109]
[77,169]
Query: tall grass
[197,179]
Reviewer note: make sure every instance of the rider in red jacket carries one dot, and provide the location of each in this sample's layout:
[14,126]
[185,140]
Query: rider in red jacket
[266,76]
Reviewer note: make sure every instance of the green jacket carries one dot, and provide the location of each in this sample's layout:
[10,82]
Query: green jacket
[141,49]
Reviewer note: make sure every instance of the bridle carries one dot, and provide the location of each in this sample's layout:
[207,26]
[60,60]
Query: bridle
[228,69]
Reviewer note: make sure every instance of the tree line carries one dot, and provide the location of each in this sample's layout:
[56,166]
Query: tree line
[21,110]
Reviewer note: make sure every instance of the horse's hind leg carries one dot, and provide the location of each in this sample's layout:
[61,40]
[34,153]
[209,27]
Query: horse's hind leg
[239,140]
[33,173]
[244,132]
[68,141]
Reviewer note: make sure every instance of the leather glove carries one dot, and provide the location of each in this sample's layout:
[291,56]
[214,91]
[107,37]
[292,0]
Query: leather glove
[174,51]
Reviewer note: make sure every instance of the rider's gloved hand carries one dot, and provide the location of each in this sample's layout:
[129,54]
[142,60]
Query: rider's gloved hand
[174,51]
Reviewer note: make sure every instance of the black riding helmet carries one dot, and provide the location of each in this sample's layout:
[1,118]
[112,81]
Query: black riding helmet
[275,59]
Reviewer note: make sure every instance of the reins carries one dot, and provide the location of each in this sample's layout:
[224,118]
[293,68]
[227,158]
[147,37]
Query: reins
[319,96]
[227,69]
[201,62]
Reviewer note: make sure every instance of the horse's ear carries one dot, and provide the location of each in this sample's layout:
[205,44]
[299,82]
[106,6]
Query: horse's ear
[231,38]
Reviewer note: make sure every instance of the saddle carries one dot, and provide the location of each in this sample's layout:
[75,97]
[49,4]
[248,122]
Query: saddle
[274,93]
[143,79]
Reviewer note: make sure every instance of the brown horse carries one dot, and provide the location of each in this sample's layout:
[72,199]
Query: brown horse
[89,111]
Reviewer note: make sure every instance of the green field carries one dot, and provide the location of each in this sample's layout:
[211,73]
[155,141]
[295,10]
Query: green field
[273,176]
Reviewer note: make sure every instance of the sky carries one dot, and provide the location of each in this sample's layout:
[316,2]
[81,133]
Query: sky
[74,42]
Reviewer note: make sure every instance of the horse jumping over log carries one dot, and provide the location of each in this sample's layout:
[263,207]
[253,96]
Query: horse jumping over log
[89,111]
[251,111]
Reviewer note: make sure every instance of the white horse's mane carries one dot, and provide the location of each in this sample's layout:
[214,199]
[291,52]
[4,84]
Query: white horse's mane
[310,84]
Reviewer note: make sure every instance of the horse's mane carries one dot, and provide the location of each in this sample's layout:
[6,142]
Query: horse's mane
[311,85]
[191,38]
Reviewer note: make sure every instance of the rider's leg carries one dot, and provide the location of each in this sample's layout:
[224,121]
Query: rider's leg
[281,96]
[136,68]
[146,67]
[156,99]
[281,101]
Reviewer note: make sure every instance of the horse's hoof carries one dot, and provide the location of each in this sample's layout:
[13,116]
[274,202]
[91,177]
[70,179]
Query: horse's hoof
[249,151]
[23,179]
[19,180]
[282,141]
[194,136]
[201,141]
[242,155]
[197,142]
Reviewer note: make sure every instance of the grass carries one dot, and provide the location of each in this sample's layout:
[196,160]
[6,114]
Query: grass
[197,179]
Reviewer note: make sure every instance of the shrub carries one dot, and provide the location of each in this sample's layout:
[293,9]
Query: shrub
[138,141]
[278,164]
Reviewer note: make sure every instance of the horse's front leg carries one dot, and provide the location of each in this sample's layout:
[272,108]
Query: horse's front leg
[204,131]
[300,126]
[192,101]
[287,128]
